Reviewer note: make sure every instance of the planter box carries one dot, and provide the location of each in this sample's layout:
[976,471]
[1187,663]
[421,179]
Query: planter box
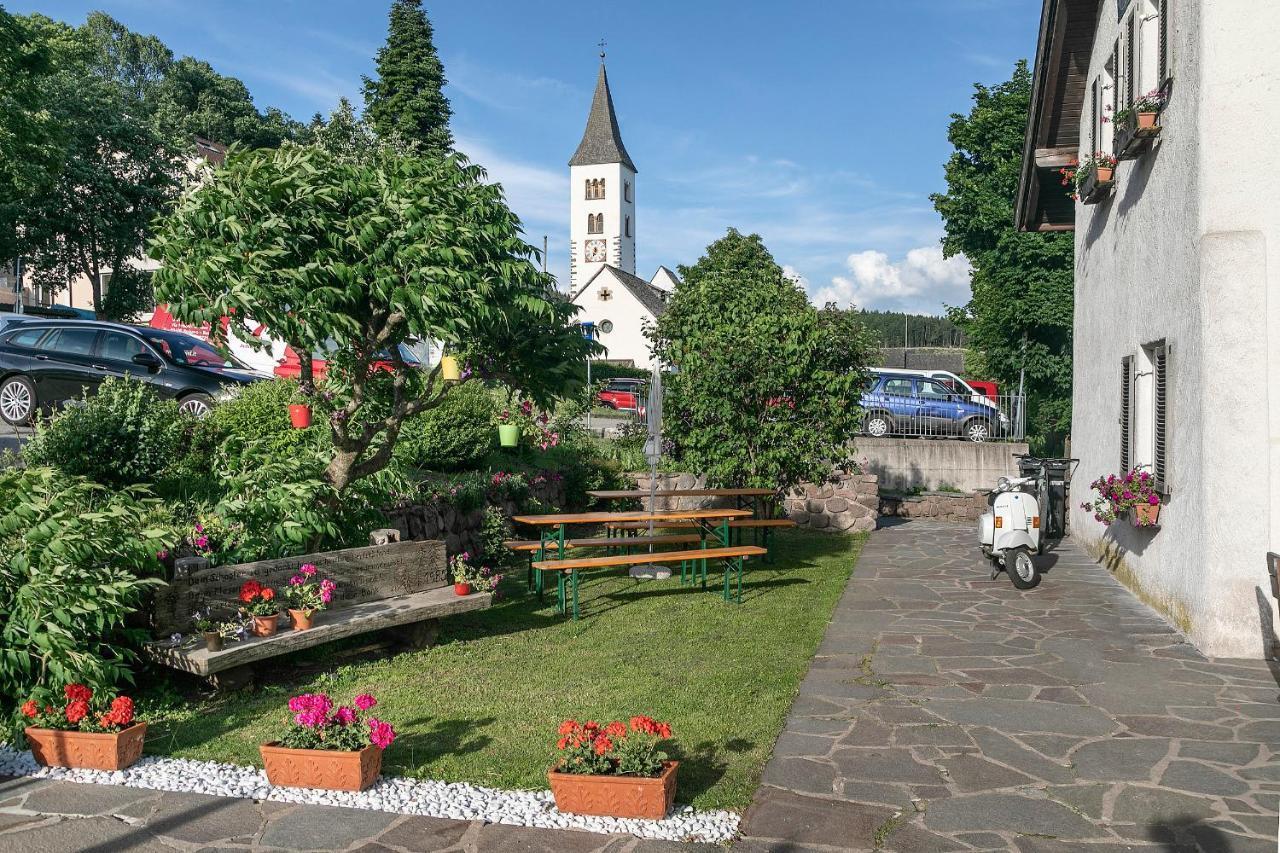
[1133,137]
[1146,516]
[89,750]
[1097,185]
[616,796]
[321,768]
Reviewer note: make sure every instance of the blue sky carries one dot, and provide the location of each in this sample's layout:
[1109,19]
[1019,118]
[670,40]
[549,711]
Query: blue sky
[820,125]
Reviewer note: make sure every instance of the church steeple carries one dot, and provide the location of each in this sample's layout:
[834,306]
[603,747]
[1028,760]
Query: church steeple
[602,141]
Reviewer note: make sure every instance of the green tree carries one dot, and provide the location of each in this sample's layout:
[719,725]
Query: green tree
[765,391]
[366,254]
[407,96]
[195,100]
[1020,315]
[27,134]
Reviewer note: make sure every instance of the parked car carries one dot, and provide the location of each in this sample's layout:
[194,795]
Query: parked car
[290,367]
[976,390]
[622,394]
[45,362]
[902,404]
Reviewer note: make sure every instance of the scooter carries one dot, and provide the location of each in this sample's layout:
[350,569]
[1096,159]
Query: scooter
[1026,514]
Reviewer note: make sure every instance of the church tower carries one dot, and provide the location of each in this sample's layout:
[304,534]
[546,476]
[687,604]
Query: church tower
[602,195]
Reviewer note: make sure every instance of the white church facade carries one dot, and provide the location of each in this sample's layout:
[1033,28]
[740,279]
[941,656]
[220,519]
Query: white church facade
[602,239]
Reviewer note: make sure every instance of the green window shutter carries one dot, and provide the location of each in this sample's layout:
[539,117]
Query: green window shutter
[1160,412]
[1126,401]
[1162,74]
[1130,50]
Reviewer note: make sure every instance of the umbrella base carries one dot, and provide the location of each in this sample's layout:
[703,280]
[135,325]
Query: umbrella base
[651,571]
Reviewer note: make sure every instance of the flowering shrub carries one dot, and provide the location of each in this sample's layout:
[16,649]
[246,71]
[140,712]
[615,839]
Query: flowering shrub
[81,712]
[613,749]
[317,724]
[258,600]
[481,578]
[306,594]
[1120,494]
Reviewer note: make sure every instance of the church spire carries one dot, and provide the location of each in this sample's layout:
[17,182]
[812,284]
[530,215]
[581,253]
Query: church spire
[602,141]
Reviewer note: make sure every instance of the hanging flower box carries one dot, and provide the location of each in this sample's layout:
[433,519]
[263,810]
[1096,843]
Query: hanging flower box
[1095,178]
[1132,494]
[1136,126]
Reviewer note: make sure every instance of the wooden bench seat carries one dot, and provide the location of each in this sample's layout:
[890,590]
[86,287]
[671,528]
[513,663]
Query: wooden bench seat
[742,523]
[532,545]
[732,556]
[416,611]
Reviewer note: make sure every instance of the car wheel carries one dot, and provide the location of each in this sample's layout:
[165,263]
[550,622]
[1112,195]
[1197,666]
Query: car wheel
[977,430]
[17,400]
[196,405]
[878,425]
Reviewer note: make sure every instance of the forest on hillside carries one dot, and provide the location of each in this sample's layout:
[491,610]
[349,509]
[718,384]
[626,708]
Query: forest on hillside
[891,328]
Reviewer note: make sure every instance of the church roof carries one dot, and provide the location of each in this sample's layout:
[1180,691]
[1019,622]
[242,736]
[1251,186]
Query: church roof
[602,141]
[651,297]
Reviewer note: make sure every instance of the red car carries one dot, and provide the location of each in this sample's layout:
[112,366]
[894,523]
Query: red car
[622,394]
[291,366]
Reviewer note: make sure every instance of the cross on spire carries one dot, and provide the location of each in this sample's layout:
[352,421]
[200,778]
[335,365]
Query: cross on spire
[601,46]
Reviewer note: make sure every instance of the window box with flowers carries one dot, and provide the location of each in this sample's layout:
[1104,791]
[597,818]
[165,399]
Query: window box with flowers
[86,732]
[1090,181]
[1132,494]
[614,770]
[260,602]
[335,748]
[1136,125]
[307,596]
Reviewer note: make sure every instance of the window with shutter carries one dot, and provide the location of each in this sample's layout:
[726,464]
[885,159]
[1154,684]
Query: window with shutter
[1160,411]
[1130,68]
[1126,400]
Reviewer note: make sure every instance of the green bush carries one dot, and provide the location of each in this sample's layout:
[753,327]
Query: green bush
[454,436]
[124,434]
[257,411]
[75,561]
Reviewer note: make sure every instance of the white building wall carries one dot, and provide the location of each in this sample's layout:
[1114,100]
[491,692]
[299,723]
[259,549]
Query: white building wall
[621,249]
[627,341]
[1186,251]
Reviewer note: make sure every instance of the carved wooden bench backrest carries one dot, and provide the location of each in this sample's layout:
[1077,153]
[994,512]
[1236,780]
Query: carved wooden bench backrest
[361,574]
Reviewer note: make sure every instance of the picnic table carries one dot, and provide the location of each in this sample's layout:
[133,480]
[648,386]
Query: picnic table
[755,499]
[708,522]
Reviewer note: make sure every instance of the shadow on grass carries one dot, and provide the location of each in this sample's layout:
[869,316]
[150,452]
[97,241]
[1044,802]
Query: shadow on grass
[703,765]
[425,739]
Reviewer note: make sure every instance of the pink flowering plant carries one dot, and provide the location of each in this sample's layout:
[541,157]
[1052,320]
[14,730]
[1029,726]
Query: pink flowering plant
[317,723]
[307,594]
[1119,494]
[481,578]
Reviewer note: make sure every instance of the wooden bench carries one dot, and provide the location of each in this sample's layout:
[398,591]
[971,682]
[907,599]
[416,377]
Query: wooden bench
[400,586]
[732,556]
[765,527]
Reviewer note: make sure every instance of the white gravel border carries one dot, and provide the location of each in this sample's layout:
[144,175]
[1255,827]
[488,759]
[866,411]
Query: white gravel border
[456,800]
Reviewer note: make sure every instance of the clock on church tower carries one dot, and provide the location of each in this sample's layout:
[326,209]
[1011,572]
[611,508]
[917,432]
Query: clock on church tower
[602,186]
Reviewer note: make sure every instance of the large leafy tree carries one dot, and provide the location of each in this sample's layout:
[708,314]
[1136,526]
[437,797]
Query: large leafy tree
[765,391]
[363,253]
[1019,318]
[407,96]
[27,141]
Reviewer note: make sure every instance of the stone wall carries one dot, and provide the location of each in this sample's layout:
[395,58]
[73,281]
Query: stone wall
[906,464]
[460,530]
[944,506]
[847,502]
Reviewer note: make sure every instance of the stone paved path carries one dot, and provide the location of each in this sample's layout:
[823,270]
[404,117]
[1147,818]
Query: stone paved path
[946,712]
[41,816]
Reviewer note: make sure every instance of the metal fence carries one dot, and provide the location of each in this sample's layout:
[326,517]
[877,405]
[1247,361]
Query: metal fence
[978,417]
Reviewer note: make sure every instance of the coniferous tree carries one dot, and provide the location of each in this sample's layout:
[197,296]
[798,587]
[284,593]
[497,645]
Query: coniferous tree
[407,97]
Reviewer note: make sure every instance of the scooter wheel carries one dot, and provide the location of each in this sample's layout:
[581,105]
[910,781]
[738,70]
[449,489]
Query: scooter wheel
[1021,568]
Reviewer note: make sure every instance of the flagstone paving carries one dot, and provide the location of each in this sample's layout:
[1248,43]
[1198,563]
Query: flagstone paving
[946,711]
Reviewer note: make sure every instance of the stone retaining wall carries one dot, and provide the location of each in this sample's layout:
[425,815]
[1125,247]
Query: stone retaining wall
[460,530]
[944,506]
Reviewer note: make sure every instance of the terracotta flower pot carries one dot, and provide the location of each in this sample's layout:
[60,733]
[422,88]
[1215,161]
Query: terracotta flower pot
[616,796]
[301,619]
[462,589]
[1146,515]
[449,371]
[90,750]
[213,641]
[299,416]
[1105,173]
[265,626]
[509,435]
[321,768]
[1146,120]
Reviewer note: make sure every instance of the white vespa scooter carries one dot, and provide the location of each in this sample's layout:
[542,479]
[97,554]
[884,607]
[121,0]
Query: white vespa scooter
[1026,514]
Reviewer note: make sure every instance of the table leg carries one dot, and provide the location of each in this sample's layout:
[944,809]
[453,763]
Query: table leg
[560,593]
[740,562]
[574,578]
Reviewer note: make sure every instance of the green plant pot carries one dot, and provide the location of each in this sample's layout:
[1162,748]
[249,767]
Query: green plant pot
[509,435]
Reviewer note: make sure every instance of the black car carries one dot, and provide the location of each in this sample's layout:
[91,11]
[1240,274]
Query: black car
[45,362]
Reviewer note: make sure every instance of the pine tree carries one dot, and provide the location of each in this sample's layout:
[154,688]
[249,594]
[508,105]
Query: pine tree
[407,97]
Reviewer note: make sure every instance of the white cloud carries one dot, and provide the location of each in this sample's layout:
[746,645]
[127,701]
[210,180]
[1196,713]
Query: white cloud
[922,282]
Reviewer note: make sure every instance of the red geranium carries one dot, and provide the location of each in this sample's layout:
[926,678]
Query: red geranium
[30,708]
[78,691]
[612,748]
[77,710]
[249,591]
[121,713]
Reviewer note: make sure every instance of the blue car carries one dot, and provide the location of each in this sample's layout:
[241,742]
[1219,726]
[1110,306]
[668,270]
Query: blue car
[898,404]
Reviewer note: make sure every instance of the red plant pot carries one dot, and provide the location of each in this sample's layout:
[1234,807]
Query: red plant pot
[616,796]
[1105,174]
[301,619]
[299,416]
[89,750]
[462,589]
[331,769]
[265,626]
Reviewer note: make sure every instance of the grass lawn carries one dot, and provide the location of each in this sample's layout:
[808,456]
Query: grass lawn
[483,705]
